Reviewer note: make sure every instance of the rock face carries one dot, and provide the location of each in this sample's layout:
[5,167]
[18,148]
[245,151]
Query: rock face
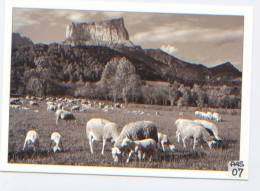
[104,33]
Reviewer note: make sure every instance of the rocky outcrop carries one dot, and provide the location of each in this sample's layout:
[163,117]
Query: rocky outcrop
[104,33]
[18,40]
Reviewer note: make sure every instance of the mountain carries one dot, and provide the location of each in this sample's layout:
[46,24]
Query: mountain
[87,50]
[103,33]
[18,40]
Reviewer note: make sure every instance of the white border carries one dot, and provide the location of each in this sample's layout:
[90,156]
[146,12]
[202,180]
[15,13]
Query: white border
[245,11]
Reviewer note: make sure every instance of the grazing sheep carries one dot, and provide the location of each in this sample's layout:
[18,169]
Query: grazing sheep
[15,101]
[210,127]
[190,129]
[145,147]
[64,115]
[33,103]
[116,154]
[163,140]
[216,117]
[75,108]
[137,131]
[31,140]
[51,107]
[98,129]
[56,140]
[209,115]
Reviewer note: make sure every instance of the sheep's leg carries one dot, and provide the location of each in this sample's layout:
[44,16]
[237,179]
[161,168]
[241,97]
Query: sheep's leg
[163,147]
[139,155]
[178,136]
[24,145]
[90,144]
[144,156]
[103,147]
[57,119]
[184,143]
[129,156]
[150,158]
[195,141]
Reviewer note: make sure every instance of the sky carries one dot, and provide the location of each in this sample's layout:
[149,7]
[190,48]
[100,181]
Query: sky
[203,39]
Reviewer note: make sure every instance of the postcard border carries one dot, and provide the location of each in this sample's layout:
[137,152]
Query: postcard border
[246,11]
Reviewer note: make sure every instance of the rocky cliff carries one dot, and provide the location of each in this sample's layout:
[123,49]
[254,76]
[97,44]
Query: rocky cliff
[105,33]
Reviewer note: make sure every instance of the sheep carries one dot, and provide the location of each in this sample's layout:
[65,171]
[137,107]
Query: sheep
[190,129]
[164,140]
[15,101]
[33,103]
[216,117]
[75,108]
[209,115]
[116,154]
[51,107]
[31,140]
[64,115]
[98,129]
[137,131]
[56,140]
[145,147]
[210,127]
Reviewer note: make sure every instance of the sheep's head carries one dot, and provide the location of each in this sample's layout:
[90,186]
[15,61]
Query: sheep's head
[126,142]
[172,147]
[116,154]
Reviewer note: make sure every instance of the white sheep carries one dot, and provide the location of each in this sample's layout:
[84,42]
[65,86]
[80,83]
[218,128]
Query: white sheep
[137,131]
[116,154]
[216,117]
[210,127]
[51,107]
[56,140]
[209,115]
[33,103]
[145,147]
[64,115]
[190,129]
[75,108]
[98,129]
[163,141]
[31,140]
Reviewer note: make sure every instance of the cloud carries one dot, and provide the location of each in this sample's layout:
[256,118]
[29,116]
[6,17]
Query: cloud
[22,18]
[184,34]
[169,49]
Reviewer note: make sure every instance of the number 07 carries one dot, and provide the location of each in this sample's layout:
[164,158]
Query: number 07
[237,171]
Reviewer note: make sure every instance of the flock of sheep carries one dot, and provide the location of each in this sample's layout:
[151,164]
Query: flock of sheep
[140,139]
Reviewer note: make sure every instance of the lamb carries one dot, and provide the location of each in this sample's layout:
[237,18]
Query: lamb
[190,129]
[56,140]
[31,140]
[145,147]
[137,131]
[98,129]
[116,154]
[164,140]
[210,127]
[64,115]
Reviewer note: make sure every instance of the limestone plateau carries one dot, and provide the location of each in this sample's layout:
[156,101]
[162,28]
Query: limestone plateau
[89,47]
[109,32]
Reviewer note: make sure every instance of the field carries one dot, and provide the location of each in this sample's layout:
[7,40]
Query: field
[76,148]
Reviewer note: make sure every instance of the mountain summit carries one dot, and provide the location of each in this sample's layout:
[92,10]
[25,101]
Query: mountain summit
[109,33]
